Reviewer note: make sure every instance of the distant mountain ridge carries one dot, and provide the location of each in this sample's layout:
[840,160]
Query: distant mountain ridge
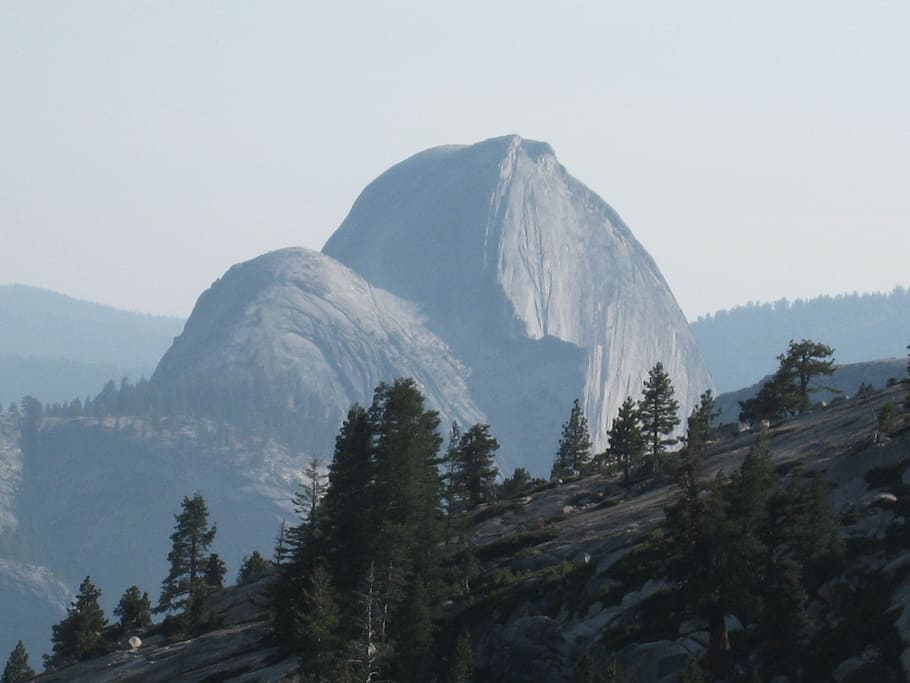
[741,345]
[56,347]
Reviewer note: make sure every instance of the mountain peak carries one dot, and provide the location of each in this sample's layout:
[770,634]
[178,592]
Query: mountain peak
[504,250]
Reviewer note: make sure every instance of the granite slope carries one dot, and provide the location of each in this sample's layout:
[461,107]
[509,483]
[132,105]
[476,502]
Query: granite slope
[534,281]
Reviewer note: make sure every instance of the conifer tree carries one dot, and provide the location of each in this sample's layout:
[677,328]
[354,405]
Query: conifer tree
[787,392]
[346,515]
[79,636]
[281,549]
[574,452]
[475,469]
[626,441]
[17,669]
[134,609]
[461,663]
[451,497]
[318,626]
[214,572]
[407,493]
[252,566]
[700,424]
[658,413]
[190,542]
[804,361]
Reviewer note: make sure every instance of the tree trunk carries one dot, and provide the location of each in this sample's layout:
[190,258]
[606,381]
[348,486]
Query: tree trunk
[718,643]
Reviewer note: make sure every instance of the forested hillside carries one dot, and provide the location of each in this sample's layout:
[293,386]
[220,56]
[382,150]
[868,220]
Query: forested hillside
[740,344]
[57,347]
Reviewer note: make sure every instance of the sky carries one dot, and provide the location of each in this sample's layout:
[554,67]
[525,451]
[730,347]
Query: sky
[756,150]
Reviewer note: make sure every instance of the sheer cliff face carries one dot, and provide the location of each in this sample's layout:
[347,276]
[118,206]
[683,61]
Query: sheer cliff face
[314,337]
[505,287]
[503,248]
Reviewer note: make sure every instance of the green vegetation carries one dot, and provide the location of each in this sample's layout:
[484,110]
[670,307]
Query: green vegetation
[80,635]
[574,453]
[134,609]
[252,567]
[627,444]
[658,414]
[194,572]
[17,669]
[788,391]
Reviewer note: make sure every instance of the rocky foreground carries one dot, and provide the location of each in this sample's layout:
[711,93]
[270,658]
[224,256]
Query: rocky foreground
[553,584]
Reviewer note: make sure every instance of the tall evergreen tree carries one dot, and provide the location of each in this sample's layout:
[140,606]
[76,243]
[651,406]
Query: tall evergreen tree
[252,566]
[79,636]
[574,452]
[134,609]
[451,493]
[700,424]
[788,390]
[407,497]
[346,515]
[214,572]
[17,669]
[475,469]
[188,557]
[318,627]
[658,413]
[627,444]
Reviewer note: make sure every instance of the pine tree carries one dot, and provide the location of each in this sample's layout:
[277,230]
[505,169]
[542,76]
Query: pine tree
[252,567]
[134,609]
[281,552]
[574,452]
[346,515]
[700,424]
[461,663]
[407,494]
[17,669]
[451,497]
[318,626]
[804,361]
[627,444]
[214,572]
[79,636]
[475,469]
[188,556]
[658,414]
[787,392]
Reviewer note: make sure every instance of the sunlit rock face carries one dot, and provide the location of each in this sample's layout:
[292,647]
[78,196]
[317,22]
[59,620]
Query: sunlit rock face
[531,278]
[308,335]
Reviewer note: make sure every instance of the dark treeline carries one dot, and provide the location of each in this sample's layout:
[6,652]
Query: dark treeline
[254,405]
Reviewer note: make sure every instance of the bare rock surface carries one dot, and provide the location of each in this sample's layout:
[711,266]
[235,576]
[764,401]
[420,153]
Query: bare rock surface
[532,279]
[301,332]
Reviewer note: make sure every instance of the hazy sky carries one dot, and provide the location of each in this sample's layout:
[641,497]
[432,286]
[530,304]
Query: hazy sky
[757,150]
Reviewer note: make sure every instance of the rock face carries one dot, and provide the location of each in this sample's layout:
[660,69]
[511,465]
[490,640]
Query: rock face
[504,286]
[310,336]
[532,279]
